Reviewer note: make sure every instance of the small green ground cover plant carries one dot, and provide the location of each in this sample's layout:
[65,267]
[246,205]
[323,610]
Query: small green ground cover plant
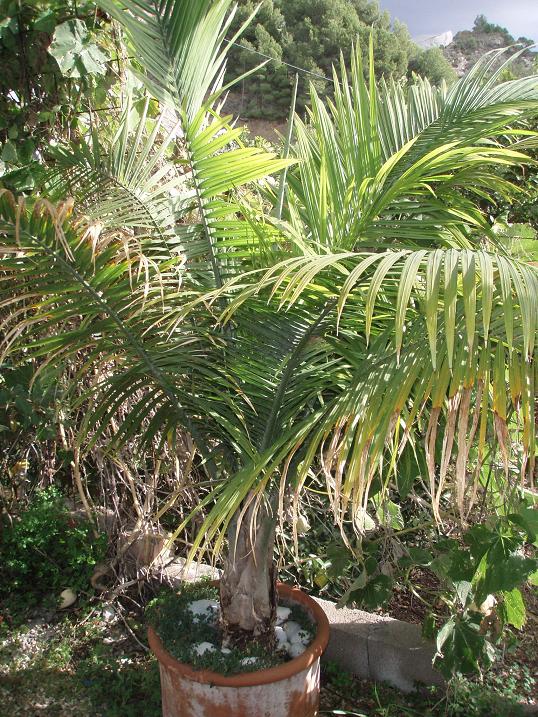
[181,631]
[79,665]
[45,550]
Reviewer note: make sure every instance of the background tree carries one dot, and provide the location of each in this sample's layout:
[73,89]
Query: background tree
[433,64]
[469,45]
[310,34]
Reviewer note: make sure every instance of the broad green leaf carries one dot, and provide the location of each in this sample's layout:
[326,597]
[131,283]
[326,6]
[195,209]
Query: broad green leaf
[503,574]
[463,590]
[75,52]
[9,152]
[389,513]
[376,592]
[460,645]
[419,556]
[339,557]
[527,518]
[513,608]
[45,21]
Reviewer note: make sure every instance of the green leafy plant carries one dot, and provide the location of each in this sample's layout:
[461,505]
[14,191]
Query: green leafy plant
[477,588]
[74,51]
[24,405]
[46,550]
[371,310]
[484,577]
[27,429]
[52,66]
[497,694]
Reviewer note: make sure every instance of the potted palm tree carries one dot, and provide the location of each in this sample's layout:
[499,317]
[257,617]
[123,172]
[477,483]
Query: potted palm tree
[371,307]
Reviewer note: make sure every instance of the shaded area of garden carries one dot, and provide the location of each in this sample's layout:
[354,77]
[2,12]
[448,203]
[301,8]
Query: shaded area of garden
[86,663]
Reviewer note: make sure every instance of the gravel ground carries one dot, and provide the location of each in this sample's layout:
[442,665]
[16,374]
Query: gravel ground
[34,680]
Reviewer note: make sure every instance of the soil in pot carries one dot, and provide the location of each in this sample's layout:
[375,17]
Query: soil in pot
[187,622]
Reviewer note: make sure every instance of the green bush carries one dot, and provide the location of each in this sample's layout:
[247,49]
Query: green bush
[433,64]
[42,95]
[476,580]
[466,41]
[46,550]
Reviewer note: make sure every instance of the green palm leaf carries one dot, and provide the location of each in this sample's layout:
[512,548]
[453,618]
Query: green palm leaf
[180,46]
[381,304]
[126,183]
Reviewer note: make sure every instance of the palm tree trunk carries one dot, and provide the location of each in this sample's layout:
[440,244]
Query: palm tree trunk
[247,586]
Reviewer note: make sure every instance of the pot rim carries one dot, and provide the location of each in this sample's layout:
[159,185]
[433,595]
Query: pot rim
[260,677]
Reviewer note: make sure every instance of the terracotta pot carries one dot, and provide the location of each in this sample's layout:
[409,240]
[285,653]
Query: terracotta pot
[288,690]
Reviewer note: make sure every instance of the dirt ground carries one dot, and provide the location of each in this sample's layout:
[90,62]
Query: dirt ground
[270,130]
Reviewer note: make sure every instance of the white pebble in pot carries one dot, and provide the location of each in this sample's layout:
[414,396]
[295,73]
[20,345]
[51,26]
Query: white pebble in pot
[296,649]
[282,614]
[203,647]
[303,637]
[203,609]
[246,661]
[291,628]
[281,636]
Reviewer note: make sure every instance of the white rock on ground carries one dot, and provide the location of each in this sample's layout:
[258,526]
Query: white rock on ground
[225,650]
[202,647]
[203,608]
[67,598]
[282,614]
[303,526]
[108,613]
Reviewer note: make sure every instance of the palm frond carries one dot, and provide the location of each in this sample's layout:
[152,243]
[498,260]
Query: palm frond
[380,303]
[475,107]
[66,297]
[127,183]
[355,184]
[402,285]
[180,46]
[224,237]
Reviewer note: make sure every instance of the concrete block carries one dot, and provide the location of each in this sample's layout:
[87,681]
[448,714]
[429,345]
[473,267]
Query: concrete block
[379,648]
[398,654]
[348,642]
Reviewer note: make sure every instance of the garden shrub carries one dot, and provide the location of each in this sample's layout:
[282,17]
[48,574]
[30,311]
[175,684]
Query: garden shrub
[45,549]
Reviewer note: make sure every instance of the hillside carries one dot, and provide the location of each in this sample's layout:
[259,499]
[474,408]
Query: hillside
[308,35]
[468,46]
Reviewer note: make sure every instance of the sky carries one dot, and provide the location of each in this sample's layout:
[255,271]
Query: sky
[432,17]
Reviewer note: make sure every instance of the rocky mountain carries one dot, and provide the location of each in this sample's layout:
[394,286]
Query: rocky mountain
[467,46]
